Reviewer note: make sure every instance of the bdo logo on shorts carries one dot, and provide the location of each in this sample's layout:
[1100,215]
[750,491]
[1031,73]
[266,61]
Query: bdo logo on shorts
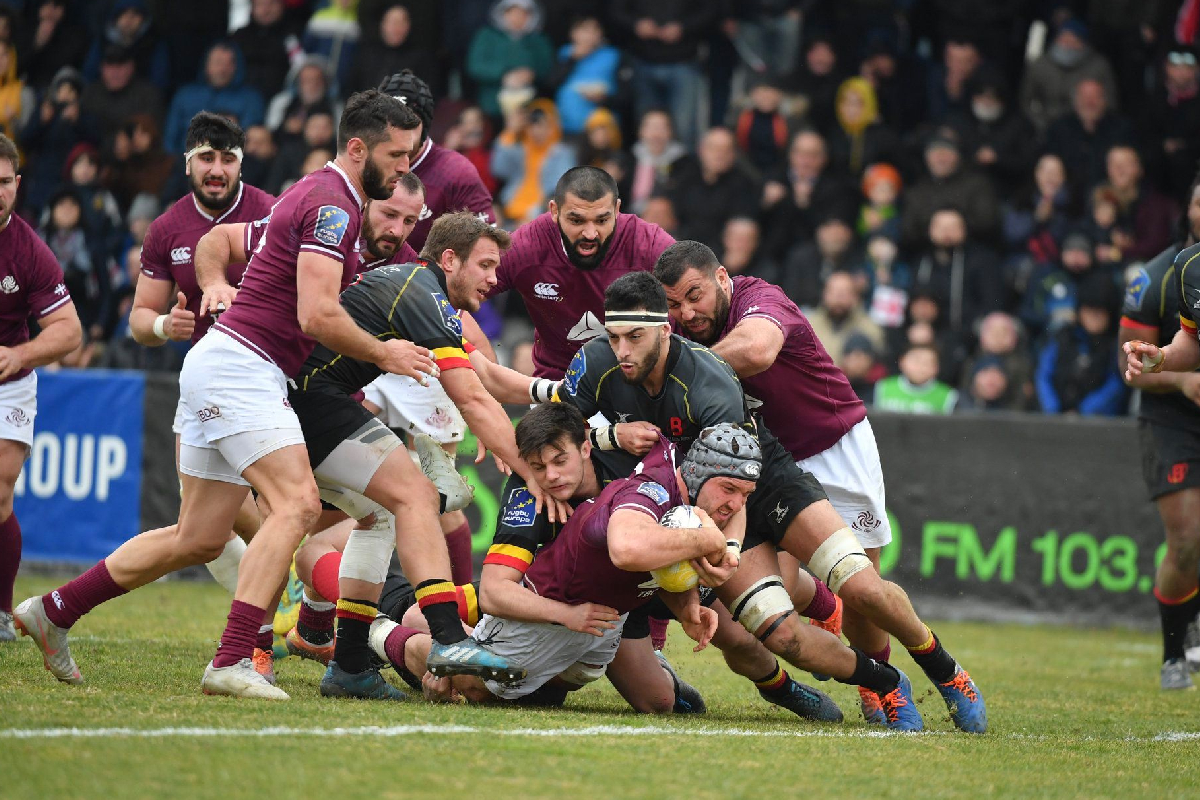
[205,414]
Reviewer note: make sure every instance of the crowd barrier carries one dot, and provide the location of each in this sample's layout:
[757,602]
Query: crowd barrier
[1001,517]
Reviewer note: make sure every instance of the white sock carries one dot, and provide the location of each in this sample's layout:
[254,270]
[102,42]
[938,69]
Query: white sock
[224,568]
[267,627]
[316,605]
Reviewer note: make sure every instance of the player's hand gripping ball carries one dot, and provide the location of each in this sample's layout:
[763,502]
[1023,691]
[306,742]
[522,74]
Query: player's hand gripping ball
[681,576]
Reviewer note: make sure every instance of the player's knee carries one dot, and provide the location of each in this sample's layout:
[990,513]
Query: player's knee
[866,593]
[202,550]
[656,703]
[785,637]
[303,507]
[414,618]
[1184,553]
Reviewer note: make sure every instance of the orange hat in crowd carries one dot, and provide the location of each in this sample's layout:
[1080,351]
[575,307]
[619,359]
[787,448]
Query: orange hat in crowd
[881,172]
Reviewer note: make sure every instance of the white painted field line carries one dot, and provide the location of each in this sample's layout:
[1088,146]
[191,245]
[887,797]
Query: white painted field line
[595,730]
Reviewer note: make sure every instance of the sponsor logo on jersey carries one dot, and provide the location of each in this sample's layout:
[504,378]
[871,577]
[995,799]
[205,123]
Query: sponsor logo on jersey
[520,510]
[547,291]
[181,255]
[205,414]
[588,328]
[449,315]
[9,285]
[1136,290]
[17,417]
[332,222]
[575,372]
[61,289]
[1178,473]
[655,491]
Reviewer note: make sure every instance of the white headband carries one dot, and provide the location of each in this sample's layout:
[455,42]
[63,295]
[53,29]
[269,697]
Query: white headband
[635,318]
[208,148]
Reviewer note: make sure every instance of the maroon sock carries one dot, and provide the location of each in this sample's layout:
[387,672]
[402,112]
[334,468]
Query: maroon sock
[658,632]
[883,655]
[823,603]
[66,604]
[458,542]
[313,620]
[266,638]
[241,632]
[393,645]
[10,559]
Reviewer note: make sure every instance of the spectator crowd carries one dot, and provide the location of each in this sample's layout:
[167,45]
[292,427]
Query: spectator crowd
[953,190]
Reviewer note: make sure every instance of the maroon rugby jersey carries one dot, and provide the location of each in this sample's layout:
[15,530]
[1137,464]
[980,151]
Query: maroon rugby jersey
[321,213]
[170,245]
[575,568]
[31,284]
[403,255]
[451,184]
[566,303]
[803,397]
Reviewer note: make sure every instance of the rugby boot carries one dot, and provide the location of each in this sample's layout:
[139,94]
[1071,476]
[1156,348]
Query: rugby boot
[239,680]
[1191,645]
[264,664]
[470,657]
[688,699]
[804,701]
[297,646]
[900,708]
[1175,675]
[872,711]
[8,632]
[962,696]
[365,685]
[30,619]
[438,466]
[287,613]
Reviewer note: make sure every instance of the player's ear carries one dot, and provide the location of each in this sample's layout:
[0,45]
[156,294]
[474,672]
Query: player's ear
[553,206]
[356,148]
[617,207]
[585,449]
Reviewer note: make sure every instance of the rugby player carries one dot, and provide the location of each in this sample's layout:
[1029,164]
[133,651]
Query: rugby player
[601,561]
[356,457]
[165,306]
[645,373]
[1169,434]
[31,287]
[808,404]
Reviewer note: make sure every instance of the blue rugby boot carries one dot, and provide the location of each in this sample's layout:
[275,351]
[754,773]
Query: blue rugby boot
[470,657]
[965,702]
[901,709]
[366,685]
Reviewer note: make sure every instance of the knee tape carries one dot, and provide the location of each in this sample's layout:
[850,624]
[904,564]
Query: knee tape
[581,674]
[838,559]
[368,551]
[352,504]
[764,599]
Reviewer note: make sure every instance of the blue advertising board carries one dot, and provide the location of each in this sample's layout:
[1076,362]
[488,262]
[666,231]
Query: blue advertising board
[79,495]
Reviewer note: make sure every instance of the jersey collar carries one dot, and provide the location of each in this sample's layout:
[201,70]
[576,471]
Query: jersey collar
[217,220]
[349,185]
[436,271]
[426,150]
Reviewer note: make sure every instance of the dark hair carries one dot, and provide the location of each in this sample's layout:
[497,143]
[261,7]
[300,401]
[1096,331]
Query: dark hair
[9,152]
[546,425]
[459,231]
[636,291]
[412,184]
[680,257]
[409,89]
[213,129]
[912,348]
[369,114]
[589,184]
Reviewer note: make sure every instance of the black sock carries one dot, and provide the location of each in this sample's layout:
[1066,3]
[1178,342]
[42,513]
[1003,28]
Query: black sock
[314,636]
[1175,619]
[773,683]
[879,677]
[934,660]
[439,603]
[351,650]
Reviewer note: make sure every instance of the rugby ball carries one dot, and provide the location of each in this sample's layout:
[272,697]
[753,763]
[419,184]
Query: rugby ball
[681,576]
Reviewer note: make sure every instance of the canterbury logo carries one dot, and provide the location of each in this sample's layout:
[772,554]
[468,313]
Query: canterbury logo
[546,291]
[58,602]
[181,255]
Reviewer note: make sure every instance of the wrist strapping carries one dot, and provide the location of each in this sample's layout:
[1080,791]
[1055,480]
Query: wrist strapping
[604,438]
[542,390]
[160,327]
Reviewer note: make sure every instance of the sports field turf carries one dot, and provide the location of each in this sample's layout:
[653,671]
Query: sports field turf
[1074,713]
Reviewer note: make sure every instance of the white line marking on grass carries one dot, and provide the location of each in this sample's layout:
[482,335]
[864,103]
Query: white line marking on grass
[594,730]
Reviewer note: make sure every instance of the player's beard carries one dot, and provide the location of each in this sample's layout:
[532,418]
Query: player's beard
[716,323]
[581,261]
[373,181]
[463,295]
[374,242]
[645,366]
[221,201]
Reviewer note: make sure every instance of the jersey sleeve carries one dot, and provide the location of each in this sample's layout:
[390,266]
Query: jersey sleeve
[520,530]
[426,318]
[155,258]
[766,301]
[1188,288]
[329,227]
[1139,311]
[47,287]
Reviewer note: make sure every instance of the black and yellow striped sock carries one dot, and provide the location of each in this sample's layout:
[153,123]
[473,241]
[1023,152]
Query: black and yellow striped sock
[438,601]
[351,650]
[776,680]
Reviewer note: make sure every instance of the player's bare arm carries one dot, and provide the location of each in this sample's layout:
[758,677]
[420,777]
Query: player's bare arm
[152,301]
[713,572]
[322,317]
[698,622]
[751,347]
[637,543]
[490,423]
[475,335]
[1181,355]
[507,385]
[502,595]
[216,250]
[61,333]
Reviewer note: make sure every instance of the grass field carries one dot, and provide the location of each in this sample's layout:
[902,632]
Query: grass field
[1074,713]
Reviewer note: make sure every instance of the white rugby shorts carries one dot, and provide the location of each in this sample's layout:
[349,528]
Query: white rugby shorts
[544,650]
[851,475]
[408,406]
[18,409]
[236,409]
